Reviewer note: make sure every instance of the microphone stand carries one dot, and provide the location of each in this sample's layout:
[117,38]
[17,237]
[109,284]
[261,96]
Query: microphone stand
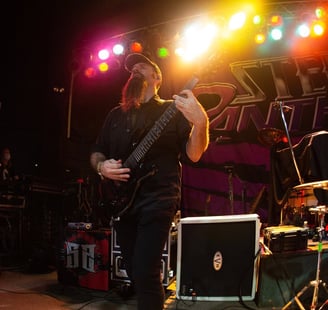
[231,174]
[281,106]
[317,282]
[229,169]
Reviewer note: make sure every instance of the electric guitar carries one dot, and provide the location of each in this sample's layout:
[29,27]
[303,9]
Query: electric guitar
[118,197]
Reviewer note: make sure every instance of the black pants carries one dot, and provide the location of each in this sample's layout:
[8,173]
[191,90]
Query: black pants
[142,239]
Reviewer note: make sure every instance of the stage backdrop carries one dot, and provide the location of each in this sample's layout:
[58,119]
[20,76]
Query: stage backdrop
[234,175]
[241,94]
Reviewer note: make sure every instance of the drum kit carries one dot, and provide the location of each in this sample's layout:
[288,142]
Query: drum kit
[304,203]
[319,211]
[302,208]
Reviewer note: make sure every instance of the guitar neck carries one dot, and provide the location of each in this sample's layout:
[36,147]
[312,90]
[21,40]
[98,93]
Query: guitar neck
[155,132]
[151,137]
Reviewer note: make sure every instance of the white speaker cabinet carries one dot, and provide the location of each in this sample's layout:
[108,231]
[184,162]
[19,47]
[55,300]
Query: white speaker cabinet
[217,257]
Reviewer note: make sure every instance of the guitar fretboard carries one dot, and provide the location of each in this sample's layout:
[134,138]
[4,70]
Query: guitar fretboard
[155,132]
[151,137]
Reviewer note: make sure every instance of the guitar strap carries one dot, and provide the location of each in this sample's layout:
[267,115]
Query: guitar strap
[132,117]
[140,127]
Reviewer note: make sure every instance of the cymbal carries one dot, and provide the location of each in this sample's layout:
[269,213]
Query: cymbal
[319,209]
[270,136]
[313,185]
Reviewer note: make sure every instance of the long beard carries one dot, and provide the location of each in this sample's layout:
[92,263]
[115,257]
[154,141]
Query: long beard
[133,92]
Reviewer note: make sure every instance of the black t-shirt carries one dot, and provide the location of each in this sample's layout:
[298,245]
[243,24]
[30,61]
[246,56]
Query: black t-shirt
[120,137]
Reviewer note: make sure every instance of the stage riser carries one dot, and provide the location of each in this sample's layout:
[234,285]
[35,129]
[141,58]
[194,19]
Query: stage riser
[283,275]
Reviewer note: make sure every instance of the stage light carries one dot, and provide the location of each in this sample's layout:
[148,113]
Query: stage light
[103,67]
[196,40]
[118,49]
[90,72]
[320,12]
[303,30]
[260,38]
[136,47]
[237,21]
[103,54]
[318,28]
[179,51]
[258,20]
[162,52]
[276,20]
[276,34]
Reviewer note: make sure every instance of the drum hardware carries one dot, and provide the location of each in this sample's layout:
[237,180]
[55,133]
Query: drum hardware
[320,210]
[296,210]
[301,201]
[271,136]
[292,216]
[230,169]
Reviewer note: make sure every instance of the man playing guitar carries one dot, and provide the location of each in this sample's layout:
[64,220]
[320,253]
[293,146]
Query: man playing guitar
[138,154]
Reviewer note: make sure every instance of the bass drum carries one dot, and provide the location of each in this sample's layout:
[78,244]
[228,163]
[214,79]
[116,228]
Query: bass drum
[302,198]
[297,210]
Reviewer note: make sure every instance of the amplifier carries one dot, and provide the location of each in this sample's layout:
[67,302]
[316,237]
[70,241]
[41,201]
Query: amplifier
[217,257]
[84,259]
[79,225]
[168,260]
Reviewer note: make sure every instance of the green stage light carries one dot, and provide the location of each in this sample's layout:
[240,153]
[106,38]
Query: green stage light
[162,52]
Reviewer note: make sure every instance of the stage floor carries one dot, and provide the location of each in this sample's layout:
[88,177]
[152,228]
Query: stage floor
[281,277]
[20,290]
[23,289]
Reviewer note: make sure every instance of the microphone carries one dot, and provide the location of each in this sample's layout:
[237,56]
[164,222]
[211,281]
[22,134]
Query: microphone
[279,104]
[222,139]
[287,108]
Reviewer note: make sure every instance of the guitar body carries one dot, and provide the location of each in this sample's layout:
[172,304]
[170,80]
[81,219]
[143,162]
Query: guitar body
[118,197]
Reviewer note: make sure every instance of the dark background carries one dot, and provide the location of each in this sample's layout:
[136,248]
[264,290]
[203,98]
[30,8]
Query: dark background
[36,77]
[37,71]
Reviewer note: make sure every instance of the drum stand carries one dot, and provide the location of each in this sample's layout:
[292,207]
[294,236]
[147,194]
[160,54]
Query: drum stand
[231,173]
[229,169]
[321,210]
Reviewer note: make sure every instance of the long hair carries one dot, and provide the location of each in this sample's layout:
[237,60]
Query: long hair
[133,92]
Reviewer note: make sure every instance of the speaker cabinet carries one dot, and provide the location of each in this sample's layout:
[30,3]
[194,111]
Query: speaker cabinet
[84,259]
[168,266]
[217,257]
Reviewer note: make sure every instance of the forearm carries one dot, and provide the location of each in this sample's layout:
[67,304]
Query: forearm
[198,141]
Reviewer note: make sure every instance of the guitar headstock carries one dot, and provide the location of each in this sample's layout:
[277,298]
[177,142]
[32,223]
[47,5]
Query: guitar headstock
[213,63]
